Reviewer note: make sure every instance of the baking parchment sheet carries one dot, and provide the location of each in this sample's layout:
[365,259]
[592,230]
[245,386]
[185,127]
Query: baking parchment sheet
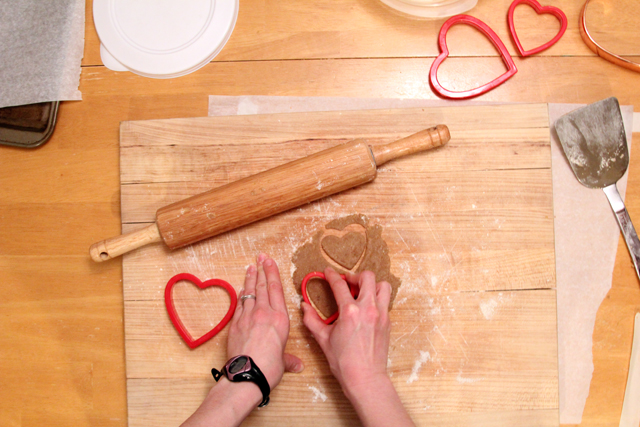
[41,48]
[586,232]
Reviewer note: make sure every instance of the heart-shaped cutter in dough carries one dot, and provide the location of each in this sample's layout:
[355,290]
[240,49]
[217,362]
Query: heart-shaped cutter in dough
[540,10]
[492,36]
[175,319]
[318,275]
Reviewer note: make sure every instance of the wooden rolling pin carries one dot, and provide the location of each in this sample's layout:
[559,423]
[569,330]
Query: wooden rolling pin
[268,193]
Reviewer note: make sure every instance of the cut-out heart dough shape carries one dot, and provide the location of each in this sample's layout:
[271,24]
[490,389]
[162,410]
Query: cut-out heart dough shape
[346,250]
[316,274]
[539,10]
[492,36]
[175,319]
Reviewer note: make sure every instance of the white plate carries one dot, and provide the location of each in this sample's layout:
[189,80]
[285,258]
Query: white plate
[162,38]
[431,8]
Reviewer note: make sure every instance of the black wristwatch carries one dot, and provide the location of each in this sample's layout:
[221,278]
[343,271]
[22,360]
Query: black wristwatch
[243,368]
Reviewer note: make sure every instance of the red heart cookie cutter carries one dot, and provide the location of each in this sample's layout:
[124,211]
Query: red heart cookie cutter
[316,274]
[175,319]
[491,35]
[539,10]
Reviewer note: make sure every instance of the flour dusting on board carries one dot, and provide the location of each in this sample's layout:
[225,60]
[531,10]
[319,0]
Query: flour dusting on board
[425,356]
[436,268]
[488,308]
[465,380]
[317,394]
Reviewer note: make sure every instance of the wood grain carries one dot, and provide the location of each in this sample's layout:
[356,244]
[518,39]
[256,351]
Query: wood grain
[599,18]
[539,79]
[266,193]
[458,380]
[274,30]
[60,198]
[614,57]
[118,245]
[456,348]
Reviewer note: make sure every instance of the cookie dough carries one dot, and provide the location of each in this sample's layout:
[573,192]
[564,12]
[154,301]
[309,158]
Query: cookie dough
[346,250]
[348,243]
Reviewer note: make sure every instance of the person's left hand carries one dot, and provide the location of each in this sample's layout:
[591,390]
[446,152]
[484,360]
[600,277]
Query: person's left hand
[260,326]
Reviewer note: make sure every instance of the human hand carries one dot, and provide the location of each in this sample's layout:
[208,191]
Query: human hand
[260,327]
[357,343]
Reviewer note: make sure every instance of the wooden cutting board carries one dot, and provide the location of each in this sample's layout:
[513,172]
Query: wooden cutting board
[470,234]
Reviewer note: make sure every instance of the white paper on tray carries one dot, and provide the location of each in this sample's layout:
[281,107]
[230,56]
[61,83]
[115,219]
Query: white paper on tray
[586,233]
[41,51]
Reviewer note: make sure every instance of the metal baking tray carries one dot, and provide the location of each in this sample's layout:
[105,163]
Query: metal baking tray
[28,126]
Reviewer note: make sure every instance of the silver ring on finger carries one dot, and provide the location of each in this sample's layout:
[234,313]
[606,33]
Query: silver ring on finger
[245,297]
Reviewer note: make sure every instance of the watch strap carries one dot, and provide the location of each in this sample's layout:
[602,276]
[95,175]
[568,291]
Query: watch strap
[218,374]
[260,380]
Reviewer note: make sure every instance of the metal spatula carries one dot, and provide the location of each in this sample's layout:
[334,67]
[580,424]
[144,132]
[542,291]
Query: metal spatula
[594,141]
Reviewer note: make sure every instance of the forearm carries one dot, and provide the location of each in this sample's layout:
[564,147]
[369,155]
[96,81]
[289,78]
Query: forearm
[378,404]
[226,405]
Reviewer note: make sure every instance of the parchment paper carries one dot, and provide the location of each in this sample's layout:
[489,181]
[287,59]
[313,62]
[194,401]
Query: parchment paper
[586,233]
[41,49]
[587,237]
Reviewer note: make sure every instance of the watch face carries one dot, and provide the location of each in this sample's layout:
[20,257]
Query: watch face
[237,365]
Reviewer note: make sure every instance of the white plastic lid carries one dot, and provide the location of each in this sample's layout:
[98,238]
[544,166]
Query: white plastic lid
[431,8]
[162,38]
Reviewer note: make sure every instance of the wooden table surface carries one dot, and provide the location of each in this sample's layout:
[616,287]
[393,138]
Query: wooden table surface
[61,315]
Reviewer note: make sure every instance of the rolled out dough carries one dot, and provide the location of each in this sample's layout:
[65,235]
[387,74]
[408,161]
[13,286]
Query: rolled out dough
[346,250]
[337,245]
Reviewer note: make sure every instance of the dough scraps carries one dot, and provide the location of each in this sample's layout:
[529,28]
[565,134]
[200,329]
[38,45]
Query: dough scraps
[348,243]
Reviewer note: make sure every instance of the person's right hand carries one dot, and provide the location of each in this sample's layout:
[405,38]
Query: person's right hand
[357,343]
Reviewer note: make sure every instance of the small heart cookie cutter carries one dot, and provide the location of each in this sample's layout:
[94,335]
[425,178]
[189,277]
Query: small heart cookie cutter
[539,10]
[175,319]
[319,275]
[492,36]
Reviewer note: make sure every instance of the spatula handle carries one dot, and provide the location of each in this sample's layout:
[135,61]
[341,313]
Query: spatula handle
[628,231]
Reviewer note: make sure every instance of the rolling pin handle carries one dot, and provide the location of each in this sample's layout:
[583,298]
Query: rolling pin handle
[420,141]
[116,246]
